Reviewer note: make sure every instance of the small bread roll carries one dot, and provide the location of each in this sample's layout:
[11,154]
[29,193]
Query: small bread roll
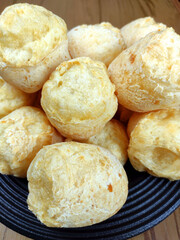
[154,143]
[33,42]
[75,185]
[139,28]
[147,75]
[22,134]
[101,42]
[79,98]
[112,137]
[12,98]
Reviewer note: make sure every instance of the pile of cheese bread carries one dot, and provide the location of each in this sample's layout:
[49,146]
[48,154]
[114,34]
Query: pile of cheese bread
[59,93]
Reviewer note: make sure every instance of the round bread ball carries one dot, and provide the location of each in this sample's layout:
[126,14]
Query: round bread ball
[79,98]
[75,185]
[22,134]
[139,28]
[101,42]
[112,137]
[154,143]
[33,42]
[147,75]
[11,98]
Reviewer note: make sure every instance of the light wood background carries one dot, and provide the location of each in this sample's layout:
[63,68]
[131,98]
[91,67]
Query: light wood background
[118,12]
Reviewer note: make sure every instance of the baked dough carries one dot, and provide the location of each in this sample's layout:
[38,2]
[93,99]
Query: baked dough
[147,74]
[79,98]
[11,98]
[139,28]
[33,42]
[75,184]
[154,143]
[22,134]
[101,42]
[112,137]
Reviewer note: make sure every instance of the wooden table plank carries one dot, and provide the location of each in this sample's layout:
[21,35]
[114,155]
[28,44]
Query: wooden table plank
[75,12]
[4,4]
[118,12]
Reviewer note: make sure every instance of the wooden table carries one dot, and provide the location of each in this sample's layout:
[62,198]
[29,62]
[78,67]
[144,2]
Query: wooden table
[118,12]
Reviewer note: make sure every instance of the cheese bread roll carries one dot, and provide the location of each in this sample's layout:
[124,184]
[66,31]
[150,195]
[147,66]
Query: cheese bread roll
[112,137]
[147,75]
[11,98]
[139,28]
[22,134]
[154,143]
[75,185]
[101,42]
[33,42]
[79,98]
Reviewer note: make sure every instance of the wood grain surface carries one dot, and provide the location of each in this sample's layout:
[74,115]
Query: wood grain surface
[118,12]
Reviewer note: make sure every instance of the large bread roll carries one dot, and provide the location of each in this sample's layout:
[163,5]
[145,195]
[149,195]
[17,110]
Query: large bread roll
[147,74]
[154,143]
[33,42]
[23,133]
[79,98]
[75,184]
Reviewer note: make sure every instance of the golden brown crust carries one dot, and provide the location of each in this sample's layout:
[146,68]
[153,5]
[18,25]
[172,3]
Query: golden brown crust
[79,98]
[101,42]
[75,185]
[147,74]
[11,98]
[33,43]
[154,143]
[139,28]
[22,134]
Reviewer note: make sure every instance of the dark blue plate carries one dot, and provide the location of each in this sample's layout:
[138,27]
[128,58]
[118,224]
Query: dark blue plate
[149,202]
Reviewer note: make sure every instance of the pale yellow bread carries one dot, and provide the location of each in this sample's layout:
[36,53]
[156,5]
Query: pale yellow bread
[22,134]
[139,28]
[12,98]
[101,42]
[154,143]
[75,184]
[147,74]
[33,42]
[113,137]
[79,98]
